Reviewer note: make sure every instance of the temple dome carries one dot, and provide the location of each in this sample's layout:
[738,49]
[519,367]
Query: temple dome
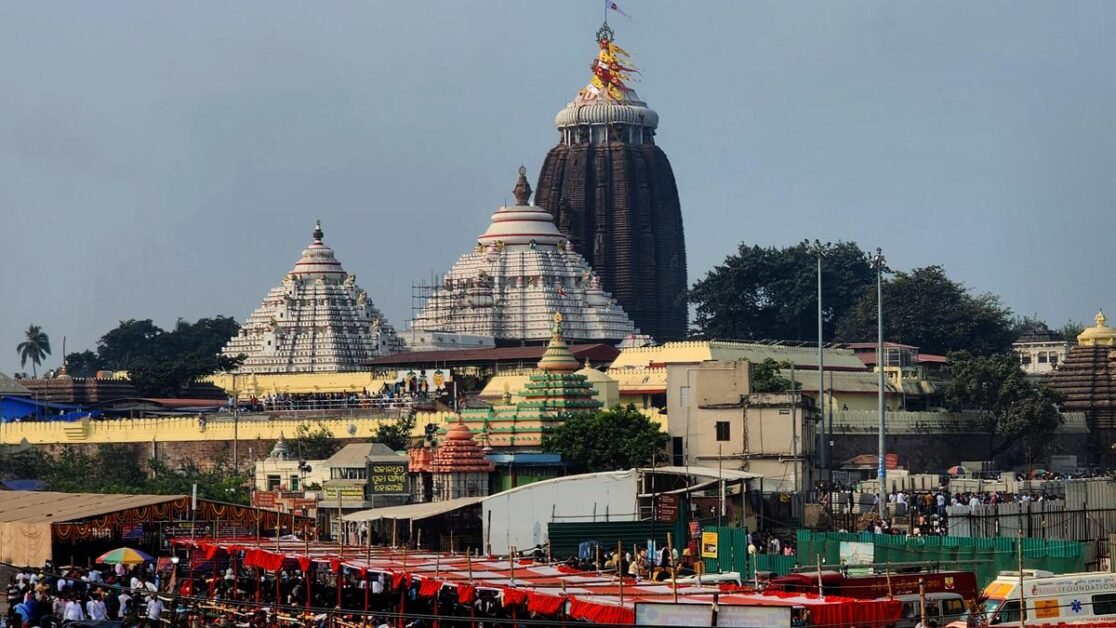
[581,112]
[522,224]
[557,358]
[318,259]
[521,271]
[458,452]
[1100,334]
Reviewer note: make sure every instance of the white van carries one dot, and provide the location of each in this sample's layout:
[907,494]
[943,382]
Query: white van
[1069,598]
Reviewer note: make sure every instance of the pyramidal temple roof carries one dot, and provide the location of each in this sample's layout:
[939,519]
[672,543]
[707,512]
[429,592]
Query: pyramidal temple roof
[521,272]
[550,397]
[317,320]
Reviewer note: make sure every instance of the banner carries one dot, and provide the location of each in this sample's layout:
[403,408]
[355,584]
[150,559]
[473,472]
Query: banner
[387,478]
[430,379]
[857,553]
[347,493]
[264,499]
[708,544]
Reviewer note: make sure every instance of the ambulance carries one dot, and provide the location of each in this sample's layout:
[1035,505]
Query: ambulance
[1086,598]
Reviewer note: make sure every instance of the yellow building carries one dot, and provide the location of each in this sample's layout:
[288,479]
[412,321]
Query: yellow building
[260,385]
[642,375]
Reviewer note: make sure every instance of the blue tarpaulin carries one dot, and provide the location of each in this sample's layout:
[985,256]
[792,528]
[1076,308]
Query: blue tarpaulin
[23,408]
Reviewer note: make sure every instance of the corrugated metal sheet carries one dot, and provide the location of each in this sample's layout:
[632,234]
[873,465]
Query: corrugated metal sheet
[9,386]
[48,507]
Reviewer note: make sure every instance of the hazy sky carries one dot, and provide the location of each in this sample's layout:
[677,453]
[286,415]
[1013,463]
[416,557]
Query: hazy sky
[166,159]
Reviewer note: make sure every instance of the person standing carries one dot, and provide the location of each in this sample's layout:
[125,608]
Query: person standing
[95,608]
[154,611]
[73,611]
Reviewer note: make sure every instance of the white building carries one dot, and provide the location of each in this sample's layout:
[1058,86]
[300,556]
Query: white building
[1040,350]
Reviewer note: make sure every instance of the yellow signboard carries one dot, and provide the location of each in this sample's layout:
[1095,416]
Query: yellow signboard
[354,493]
[1046,609]
[708,544]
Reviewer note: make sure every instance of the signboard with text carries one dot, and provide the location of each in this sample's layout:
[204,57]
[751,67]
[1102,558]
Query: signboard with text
[387,478]
[666,508]
[708,544]
[353,493]
[264,499]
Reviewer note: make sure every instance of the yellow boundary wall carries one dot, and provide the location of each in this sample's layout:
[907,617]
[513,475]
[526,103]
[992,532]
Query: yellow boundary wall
[189,429]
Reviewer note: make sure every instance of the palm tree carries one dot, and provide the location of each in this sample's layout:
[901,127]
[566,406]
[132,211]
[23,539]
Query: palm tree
[35,348]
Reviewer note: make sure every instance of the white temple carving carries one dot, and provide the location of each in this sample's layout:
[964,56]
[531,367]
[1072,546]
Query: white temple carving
[520,273]
[318,320]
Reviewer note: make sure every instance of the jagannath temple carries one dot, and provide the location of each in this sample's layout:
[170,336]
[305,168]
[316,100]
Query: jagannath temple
[521,271]
[317,320]
[612,192]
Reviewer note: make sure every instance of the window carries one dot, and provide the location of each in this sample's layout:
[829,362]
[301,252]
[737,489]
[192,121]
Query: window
[273,482]
[1009,613]
[1053,359]
[294,483]
[722,430]
[1024,358]
[1104,604]
[1042,358]
[677,456]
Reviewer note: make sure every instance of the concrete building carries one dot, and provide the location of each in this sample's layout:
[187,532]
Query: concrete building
[1040,350]
[717,422]
[641,372]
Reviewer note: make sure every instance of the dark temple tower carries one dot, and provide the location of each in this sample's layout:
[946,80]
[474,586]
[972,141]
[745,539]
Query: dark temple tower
[612,192]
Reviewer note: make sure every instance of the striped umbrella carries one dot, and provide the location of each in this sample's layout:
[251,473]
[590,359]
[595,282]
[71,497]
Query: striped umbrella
[123,556]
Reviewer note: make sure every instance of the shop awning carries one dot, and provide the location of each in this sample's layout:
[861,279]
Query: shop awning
[413,512]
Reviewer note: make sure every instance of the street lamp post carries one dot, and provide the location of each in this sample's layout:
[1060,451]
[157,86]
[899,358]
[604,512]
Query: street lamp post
[878,262]
[821,250]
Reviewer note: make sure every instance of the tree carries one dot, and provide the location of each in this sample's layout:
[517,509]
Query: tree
[129,340]
[35,347]
[114,469]
[767,377]
[607,440]
[1019,414]
[927,309]
[396,434]
[772,293]
[142,341]
[314,443]
[83,364]
[1070,331]
[170,377]
[161,363]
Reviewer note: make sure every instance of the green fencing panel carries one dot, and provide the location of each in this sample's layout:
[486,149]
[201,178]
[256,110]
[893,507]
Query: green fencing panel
[732,555]
[984,557]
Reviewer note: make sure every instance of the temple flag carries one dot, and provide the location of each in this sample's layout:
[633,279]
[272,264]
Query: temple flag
[616,7]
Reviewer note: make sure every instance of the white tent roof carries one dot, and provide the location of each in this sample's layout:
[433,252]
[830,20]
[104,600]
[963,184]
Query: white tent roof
[414,512]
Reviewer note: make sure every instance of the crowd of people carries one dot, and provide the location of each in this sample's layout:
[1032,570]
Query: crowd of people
[218,594]
[50,597]
[920,513]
